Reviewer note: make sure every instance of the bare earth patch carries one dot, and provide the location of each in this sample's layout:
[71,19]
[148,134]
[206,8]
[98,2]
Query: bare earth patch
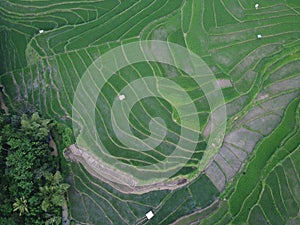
[2,103]
[124,183]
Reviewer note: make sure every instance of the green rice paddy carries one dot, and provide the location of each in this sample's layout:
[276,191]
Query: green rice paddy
[252,179]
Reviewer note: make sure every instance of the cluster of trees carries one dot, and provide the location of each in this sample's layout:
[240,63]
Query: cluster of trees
[31,187]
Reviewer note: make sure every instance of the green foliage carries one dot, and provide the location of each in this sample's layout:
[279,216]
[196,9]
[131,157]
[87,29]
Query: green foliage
[66,134]
[7,221]
[30,184]
[21,206]
[55,220]
[37,126]
[52,192]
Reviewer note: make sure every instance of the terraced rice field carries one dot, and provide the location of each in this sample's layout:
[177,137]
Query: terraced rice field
[252,177]
[267,190]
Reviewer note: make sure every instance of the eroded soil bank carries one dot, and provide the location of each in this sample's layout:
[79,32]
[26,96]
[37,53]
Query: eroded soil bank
[98,170]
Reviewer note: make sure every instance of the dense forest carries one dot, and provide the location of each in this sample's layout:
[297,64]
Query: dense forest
[32,188]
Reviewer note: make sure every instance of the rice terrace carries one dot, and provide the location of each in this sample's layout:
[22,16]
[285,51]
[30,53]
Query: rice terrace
[163,112]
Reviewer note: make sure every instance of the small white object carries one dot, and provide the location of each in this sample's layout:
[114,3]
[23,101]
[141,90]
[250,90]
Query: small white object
[121,97]
[256,6]
[259,36]
[41,31]
[149,215]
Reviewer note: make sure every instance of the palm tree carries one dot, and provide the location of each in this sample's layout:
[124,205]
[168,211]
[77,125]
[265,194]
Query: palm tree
[21,206]
[52,192]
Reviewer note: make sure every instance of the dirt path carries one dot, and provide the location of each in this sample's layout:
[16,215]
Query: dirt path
[2,102]
[52,144]
[65,214]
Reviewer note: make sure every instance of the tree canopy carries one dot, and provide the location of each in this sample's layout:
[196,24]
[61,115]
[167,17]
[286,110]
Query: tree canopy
[32,189]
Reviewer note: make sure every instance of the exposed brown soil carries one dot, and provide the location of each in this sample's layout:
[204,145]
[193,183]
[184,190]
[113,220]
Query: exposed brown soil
[124,183]
[54,147]
[2,102]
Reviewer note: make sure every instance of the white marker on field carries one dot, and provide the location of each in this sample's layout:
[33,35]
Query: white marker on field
[41,31]
[149,215]
[121,97]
